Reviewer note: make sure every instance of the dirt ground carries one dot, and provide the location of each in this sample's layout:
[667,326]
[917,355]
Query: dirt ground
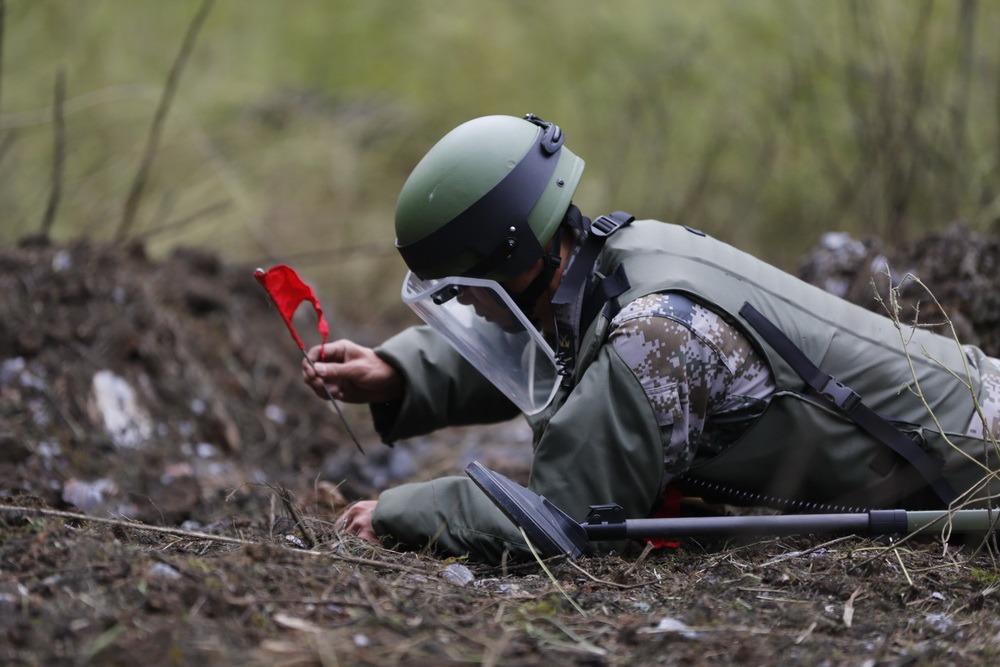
[168,488]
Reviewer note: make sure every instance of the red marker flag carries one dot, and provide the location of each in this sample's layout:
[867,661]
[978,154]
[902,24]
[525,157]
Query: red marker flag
[287,291]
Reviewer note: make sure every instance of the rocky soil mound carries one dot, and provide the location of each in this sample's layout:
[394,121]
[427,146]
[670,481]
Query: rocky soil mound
[958,271]
[153,390]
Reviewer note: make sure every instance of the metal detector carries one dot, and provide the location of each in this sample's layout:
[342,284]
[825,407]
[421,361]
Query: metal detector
[554,533]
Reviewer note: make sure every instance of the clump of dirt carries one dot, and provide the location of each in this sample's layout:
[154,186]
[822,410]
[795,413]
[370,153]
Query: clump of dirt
[167,489]
[952,275]
[147,389]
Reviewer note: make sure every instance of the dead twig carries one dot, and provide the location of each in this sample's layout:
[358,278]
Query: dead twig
[909,579]
[159,119]
[6,143]
[965,46]
[195,535]
[373,604]
[555,582]
[613,584]
[176,225]
[495,649]
[122,523]
[92,98]
[308,536]
[59,153]
[3,13]
[806,552]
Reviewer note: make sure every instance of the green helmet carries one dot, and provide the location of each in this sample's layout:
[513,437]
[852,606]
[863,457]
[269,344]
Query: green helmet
[486,198]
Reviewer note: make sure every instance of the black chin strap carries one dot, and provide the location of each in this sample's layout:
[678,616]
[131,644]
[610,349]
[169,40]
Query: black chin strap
[581,294]
[579,274]
[550,263]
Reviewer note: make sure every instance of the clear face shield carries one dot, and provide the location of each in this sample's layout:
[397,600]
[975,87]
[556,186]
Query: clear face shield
[483,324]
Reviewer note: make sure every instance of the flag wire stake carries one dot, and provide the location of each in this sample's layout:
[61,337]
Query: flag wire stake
[335,405]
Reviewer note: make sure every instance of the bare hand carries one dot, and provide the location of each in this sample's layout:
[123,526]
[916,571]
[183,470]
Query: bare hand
[351,373]
[357,520]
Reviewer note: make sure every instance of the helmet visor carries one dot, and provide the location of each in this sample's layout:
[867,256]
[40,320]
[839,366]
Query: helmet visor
[479,319]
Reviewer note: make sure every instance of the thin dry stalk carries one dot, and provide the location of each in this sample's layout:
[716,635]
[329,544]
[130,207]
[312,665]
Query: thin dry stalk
[893,309]
[805,552]
[156,129]
[6,143]
[179,224]
[555,582]
[960,107]
[196,535]
[308,536]
[903,565]
[614,584]
[495,650]
[3,13]
[59,152]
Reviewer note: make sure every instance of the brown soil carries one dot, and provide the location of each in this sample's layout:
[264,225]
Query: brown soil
[212,540]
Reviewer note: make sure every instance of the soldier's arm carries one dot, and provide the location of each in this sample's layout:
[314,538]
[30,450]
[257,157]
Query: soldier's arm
[694,367]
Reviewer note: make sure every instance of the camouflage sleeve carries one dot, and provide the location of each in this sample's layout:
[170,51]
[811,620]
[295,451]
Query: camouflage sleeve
[703,378]
[985,422]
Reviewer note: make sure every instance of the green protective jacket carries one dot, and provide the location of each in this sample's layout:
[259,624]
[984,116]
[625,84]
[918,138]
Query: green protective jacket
[599,441]
[588,449]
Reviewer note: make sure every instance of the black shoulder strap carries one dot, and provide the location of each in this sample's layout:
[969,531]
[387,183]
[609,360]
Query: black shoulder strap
[579,273]
[577,287]
[604,296]
[849,403]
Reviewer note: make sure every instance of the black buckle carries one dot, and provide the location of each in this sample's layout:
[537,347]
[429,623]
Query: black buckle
[552,135]
[606,225]
[843,397]
[605,514]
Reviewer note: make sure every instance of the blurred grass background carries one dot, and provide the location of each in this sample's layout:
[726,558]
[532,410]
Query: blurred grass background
[295,123]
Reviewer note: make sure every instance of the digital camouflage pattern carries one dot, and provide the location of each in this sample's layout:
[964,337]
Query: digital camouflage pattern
[990,404]
[705,381]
